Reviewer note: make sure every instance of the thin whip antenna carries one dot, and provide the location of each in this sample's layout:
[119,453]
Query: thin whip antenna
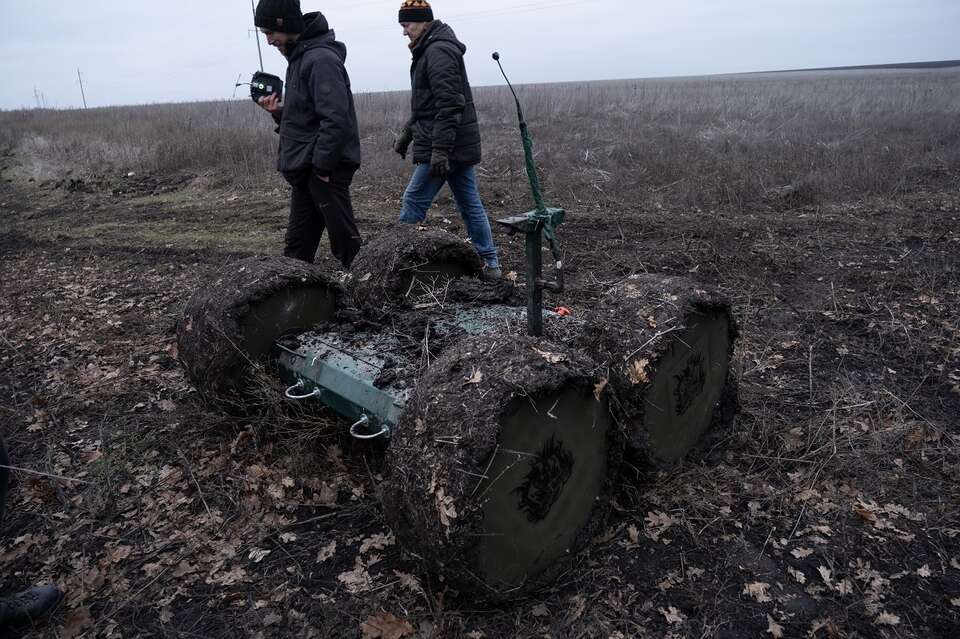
[527,146]
[256,34]
[496,57]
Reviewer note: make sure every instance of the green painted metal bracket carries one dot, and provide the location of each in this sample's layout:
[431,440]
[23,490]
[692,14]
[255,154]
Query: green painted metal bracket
[342,373]
[534,225]
[529,221]
[344,382]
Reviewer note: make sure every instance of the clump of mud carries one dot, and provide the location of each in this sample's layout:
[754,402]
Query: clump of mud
[232,322]
[447,437]
[406,261]
[673,337]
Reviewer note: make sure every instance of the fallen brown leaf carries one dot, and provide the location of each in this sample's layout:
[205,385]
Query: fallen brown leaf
[272,619]
[578,607]
[775,629]
[656,524]
[552,358]
[672,615]
[797,575]
[864,512]
[833,632]
[826,575]
[327,552]
[119,553]
[76,623]
[257,555]
[599,387]
[446,507]
[408,581]
[887,619]
[357,580]
[758,590]
[385,626]
[637,371]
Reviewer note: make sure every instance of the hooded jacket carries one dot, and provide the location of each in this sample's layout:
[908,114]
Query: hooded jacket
[318,124]
[443,114]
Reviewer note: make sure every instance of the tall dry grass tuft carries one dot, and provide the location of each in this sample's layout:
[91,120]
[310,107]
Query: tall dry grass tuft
[733,141]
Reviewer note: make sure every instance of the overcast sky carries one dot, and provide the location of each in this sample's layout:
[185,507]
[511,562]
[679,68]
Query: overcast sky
[141,51]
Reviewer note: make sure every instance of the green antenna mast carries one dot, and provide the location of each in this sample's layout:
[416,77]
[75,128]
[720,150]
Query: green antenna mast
[541,222]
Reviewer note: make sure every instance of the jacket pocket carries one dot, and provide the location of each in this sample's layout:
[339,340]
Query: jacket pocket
[305,137]
[295,153]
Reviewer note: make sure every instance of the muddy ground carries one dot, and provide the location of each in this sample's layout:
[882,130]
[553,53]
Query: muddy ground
[831,510]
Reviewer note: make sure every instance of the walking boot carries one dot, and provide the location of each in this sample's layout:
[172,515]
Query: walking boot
[491,273]
[28,606]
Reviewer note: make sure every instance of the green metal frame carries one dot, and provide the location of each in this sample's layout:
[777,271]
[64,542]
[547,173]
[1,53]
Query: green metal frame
[342,380]
[342,374]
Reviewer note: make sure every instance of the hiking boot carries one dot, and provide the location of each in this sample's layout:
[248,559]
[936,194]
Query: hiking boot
[29,606]
[491,273]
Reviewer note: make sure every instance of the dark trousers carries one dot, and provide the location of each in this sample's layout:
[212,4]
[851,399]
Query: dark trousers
[316,205]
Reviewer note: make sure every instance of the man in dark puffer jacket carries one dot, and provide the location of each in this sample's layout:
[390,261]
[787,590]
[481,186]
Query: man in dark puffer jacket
[443,129]
[319,139]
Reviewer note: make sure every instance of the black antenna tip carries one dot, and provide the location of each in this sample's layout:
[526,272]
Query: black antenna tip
[496,56]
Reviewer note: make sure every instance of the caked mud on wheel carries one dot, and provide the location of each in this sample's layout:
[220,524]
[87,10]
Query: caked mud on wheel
[232,322]
[407,261]
[500,467]
[668,345]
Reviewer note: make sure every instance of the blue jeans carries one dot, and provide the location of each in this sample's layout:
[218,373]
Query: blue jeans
[463,182]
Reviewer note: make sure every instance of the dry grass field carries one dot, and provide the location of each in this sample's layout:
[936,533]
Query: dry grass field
[825,205]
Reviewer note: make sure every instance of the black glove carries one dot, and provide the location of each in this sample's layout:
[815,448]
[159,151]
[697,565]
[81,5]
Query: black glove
[402,142]
[439,164]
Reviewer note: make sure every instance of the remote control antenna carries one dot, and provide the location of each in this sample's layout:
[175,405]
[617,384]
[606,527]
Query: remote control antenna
[527,145]
[262,84]
[536,224]
[256,34]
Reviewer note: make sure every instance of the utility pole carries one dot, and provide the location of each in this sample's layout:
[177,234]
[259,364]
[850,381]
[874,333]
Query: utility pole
[82,94]
[36,96]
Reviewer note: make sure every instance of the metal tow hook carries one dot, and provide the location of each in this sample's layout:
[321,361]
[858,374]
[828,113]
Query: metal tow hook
[316,392]
[363,422]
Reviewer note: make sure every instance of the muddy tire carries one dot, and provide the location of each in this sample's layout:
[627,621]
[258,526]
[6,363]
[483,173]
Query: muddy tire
[231,322]
[501,466]
[668,346]
[406,262]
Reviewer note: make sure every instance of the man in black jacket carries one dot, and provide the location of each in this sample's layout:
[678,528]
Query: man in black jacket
[319,139]
[443,129]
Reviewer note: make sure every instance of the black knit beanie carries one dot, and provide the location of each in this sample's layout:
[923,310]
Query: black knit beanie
[416,11]
[279,15]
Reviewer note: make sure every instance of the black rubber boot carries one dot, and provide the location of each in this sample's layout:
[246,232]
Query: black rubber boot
[28,607]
